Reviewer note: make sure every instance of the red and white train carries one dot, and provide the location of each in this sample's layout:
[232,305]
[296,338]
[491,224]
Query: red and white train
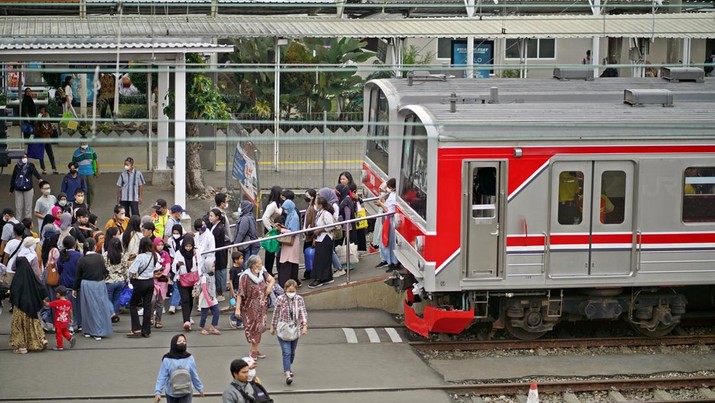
[523,203]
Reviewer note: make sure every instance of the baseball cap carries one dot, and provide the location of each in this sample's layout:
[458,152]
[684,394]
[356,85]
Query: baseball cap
[177,208]
[160,203]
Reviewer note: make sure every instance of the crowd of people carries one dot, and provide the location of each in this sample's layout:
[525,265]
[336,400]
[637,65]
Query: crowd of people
[69,274]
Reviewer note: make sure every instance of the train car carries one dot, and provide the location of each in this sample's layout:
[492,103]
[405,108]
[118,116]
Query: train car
[524,203]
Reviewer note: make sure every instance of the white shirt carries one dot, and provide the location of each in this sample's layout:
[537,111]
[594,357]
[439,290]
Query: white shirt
[324,218]
[271,209]
[391,202]
[10,249]
[68,92]
[205,242]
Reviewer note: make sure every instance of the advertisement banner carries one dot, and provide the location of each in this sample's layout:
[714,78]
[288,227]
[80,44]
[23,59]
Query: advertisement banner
[483,54]
[245,172]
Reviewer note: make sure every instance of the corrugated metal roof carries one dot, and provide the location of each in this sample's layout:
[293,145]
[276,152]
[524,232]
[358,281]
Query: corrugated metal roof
[541,90]
[109,46]
[583,121]
[695,25]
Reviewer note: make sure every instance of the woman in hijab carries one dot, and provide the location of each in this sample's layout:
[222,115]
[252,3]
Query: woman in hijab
[28,111]
[177,357]
[187,260]
[254,286]
[26,296]
[345,210]
[174,245]
[28,250]
[94,300]
[290,254]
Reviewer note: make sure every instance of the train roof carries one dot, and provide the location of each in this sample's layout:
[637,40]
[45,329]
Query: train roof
[539,90]
[554,121]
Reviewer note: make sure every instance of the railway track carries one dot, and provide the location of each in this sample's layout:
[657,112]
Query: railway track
[562,343]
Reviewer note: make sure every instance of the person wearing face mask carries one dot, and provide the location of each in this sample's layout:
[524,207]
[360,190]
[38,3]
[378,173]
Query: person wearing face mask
[218,230]
[290,309]
[159,218]
[118,221]
[174,247]
[175,213]
[73,181]
[44,203]
[246,230]
[208,302]
[63,203]
[186,260]
[254,287]
[260,392]
[177,358]
[388,203]
[129,187]
[239,390]
[204,242]
[22,187]
[88,166]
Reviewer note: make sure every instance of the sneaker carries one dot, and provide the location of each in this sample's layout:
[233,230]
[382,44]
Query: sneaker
[315,284]
[329,281]
[140,312]
[98,338]
[392,268]
[187,326]
[191,321]
[232,324]
[289,380]
[381,264]
[73,341]
[339,273]
[220,298]
[58,349]
[172,310]
[306,275]
[87,335]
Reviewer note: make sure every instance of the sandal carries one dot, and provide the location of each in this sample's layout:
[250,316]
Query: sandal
[134,334]
[158,325]
[204,332]
[20,350]
[215,331]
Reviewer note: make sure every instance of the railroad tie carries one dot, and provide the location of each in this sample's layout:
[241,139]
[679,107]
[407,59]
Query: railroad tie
[660,394]
[570,398]
[706,393]
[616,397]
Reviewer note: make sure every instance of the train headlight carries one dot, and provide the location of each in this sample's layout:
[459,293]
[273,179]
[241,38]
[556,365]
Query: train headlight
[419,243]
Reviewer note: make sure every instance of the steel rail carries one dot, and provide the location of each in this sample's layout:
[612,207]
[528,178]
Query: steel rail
[482,389]
[562,343]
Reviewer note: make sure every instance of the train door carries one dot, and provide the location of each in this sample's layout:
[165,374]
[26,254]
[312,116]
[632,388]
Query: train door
[483,213]
[591,228]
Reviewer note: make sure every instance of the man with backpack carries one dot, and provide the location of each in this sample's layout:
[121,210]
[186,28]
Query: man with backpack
[73,181]
[22,187]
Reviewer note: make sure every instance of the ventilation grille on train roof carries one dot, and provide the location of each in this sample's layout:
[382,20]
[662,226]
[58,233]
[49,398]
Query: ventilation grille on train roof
[677,74]
[573,73]
[643,97]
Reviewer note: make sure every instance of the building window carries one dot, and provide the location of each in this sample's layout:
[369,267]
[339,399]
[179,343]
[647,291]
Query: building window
[413,174]
[444,48]
[699,194]
[535,48]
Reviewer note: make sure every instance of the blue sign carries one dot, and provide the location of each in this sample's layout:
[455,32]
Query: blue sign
[77,86]
[245,173]
[483,54]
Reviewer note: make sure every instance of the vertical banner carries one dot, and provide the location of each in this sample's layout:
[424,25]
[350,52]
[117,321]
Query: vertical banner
[245,172]
[483,54]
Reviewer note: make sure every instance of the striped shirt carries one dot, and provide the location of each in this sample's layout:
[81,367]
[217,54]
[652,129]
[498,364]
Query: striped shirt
[130,182]
[85,159]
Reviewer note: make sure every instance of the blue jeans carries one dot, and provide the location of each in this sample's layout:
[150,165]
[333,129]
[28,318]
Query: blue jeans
[336,261]
[205,314]
[114,290]
[387,253]
[175,296]
[220,280]
[288,349]
[233,318]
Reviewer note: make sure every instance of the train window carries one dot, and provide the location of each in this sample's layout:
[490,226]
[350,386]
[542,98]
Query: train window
[484,191]
[613,197]
[413,174]
[570,197]
[378,135]
[699,194]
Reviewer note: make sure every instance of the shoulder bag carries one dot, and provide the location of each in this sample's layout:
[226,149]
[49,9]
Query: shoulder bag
[288,331]
[52,277]
[134,276]
[190,278]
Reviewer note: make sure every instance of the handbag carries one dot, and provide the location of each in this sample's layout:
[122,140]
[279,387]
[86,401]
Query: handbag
[287,240]
[288,331]
[125,296]
[271,245]
[189,279]
[53,275]
[362,224]
[340,251]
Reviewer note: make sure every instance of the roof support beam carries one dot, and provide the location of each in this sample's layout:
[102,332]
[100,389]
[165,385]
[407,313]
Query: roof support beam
[180,131]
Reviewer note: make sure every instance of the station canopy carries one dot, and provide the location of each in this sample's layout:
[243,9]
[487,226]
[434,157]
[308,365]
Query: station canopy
[154,27]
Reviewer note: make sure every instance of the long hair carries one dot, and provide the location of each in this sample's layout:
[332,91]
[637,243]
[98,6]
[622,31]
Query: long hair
[348,176]
[324,203]
[134,225]
[146,245]
[275,195]
[114,250]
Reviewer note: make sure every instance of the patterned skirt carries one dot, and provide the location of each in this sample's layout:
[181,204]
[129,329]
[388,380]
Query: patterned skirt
[26,332]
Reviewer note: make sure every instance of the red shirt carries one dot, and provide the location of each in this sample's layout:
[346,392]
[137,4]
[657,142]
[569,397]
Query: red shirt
[62,309]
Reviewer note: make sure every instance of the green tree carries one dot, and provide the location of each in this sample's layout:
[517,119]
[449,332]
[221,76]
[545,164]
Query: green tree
[296,88]
[255,87]
[203,102]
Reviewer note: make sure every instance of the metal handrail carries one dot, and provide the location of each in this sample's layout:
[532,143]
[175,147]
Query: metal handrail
[302,231]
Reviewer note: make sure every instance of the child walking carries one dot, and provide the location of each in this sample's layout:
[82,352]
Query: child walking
[234,275]
[208,301]
[161,280]
[62,309]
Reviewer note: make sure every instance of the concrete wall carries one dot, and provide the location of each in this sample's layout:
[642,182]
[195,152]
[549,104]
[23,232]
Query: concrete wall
[371,293]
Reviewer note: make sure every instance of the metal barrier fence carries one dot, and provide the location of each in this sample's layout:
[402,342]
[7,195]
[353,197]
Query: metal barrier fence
[309,155]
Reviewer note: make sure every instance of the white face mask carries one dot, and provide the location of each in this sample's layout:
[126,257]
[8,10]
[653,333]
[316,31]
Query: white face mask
[24,160]
[127,167]
[240,211]
[46,192]
[62,203]
[290,295]
[84,147]
[251,374]
[177,236]
[120,217]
